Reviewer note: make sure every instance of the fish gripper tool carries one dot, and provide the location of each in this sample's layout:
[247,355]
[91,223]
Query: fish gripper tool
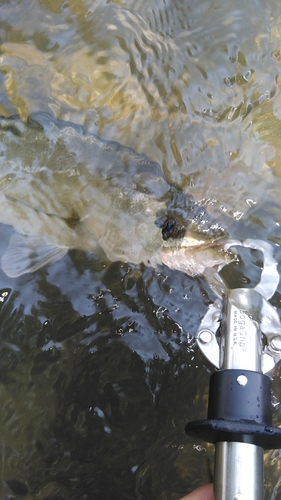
[241,336]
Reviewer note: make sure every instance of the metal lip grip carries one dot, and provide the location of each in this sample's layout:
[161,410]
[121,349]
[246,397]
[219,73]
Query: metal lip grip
[239,422]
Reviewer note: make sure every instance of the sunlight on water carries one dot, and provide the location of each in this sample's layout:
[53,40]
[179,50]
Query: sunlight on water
[99,370]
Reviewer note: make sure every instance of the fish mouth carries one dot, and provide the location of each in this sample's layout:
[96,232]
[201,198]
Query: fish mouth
[192,240]
[186,219]
[179,232]
[172,227]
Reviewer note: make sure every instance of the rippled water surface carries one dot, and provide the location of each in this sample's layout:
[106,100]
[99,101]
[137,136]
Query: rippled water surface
[99,370]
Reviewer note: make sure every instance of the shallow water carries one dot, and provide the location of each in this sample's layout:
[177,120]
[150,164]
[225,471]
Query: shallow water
[99,371]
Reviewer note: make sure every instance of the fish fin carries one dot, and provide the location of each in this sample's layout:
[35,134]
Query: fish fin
[27,253]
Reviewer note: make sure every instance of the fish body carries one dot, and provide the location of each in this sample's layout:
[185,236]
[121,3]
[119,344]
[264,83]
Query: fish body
[61,188]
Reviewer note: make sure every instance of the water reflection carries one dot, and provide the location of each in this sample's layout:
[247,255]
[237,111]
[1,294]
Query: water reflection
[86,367]
[163,79]
[98,368]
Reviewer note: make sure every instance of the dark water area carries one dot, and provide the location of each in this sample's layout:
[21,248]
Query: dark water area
[98,377]
[99,374]
[99,369]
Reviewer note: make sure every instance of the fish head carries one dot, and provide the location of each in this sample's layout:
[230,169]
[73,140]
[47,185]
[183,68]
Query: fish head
[192,242]
[184,215]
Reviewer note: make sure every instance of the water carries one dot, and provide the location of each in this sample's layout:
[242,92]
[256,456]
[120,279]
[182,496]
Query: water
[99,371]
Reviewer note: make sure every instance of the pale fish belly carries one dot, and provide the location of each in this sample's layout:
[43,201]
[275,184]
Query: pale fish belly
[194,256]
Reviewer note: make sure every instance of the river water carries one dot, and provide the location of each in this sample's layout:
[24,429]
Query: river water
[99,370]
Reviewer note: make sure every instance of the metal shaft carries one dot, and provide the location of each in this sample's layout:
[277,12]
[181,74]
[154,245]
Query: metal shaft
[239,466]
[241,344]
[238,471]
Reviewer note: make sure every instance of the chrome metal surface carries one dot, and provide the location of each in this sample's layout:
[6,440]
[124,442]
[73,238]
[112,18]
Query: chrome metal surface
[210,323]
[238,471]
[239,333]
[241,338]
[261,320]
[269,276]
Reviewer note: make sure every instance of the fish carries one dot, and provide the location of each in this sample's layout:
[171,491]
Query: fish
[63,188]
[193,256]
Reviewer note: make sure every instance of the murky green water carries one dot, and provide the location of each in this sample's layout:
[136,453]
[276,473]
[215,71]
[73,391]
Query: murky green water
[98,368]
